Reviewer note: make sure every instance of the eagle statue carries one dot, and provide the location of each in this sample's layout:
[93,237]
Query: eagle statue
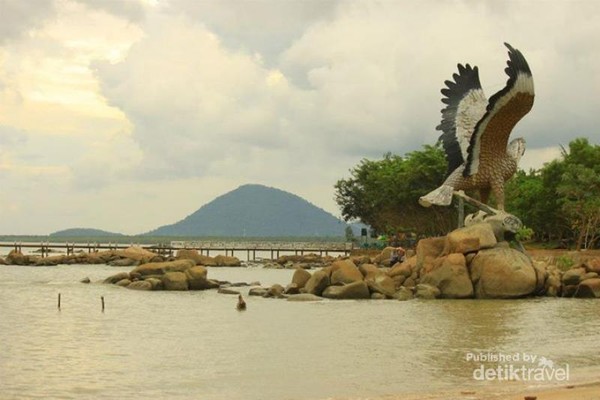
[476,131]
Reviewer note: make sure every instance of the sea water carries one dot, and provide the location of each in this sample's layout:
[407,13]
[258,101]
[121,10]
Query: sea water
[196,345]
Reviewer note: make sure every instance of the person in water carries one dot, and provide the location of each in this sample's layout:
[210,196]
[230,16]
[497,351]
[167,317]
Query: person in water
[241,305]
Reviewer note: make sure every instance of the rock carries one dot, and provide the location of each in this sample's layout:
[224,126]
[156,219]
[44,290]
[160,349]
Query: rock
[354,290]
[2,261]
[275,291]
[568,290]
[398,280]
[85,280]
[404,269]
[228,291]
[592,265]
[227,261]
[117,277]
[163,267]
[403,294]
[380,282]
[123,282]
[317,283]
[365,269]
[502,273]
[409,283]
[190,254]
[155,283]
[135,253]
[589,288]
[17,258]
[292,288]
[378,296]
[552,286]
[304,297]
[343,272]
[383,258]
[140,285]
[428,292]
[257,291]
[175,280]
[451,277]
[300,277]
[470,239]
[589,275]
[123,262]
[428,250]
[573,276]
[197,279]
[541,275]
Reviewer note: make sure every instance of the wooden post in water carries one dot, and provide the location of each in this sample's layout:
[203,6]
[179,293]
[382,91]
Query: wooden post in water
[59,302]
[102,300]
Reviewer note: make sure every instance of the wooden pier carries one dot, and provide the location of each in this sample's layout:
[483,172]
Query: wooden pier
[252,250]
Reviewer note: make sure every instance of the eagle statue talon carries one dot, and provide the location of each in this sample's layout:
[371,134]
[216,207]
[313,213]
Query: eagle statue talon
[476,131]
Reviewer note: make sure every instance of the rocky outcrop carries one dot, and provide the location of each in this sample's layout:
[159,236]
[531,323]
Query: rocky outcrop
[502,273]
[451,277]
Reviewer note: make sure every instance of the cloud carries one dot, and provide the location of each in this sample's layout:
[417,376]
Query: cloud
[177,102]
[21,17]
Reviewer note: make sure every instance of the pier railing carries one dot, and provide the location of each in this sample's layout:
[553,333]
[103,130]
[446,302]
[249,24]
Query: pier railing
[253,250]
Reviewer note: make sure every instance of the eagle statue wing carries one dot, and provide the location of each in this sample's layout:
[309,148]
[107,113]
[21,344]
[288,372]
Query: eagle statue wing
[504,110]
[465,106]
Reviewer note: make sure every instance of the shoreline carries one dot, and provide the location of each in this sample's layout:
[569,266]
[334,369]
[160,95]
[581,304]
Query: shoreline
[584,390]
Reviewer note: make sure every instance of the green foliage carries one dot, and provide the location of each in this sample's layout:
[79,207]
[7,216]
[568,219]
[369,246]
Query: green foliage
[561,201]
[385,193]
[524,234]
[564,262]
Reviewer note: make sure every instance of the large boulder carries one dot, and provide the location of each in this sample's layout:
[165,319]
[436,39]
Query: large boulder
[304,297]
[428,250]
[470,239]
[502,273]
[426,292]
[140,285]
[117,277]
[163,267]
[573,276]
[300,277]
[367,268]
[589,288]
[405,268]
[380,282]
[227,261]
[137,253]
[175,280]
[344,271]
[451,277]
[593,265]
[197,280]
[317,283]
[15,257]
[194,255]
[354,290]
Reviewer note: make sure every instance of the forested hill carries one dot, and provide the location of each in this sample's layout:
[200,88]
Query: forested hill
[259,211]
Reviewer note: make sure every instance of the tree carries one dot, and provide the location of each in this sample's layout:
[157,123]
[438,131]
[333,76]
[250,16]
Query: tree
[579,191]
[385,193]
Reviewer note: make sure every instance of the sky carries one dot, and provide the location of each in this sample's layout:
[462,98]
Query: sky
[126,115]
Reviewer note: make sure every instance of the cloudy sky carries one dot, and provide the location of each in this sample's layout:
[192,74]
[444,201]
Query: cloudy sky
[126,115]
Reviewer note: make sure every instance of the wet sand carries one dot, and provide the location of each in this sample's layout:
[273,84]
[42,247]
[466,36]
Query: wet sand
[583,391]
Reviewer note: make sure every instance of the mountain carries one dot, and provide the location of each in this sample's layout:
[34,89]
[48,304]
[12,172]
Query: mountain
[83,232]
[259,211]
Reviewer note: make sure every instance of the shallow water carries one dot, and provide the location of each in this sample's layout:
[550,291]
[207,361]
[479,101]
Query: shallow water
[191,345]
